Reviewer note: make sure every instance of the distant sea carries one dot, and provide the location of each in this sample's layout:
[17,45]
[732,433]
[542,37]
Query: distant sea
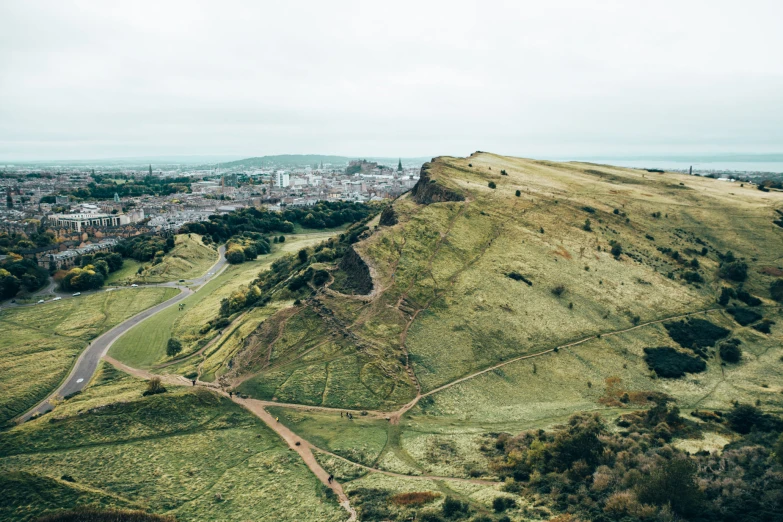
[698,166]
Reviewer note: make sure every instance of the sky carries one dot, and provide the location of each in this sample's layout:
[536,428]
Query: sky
[553,79]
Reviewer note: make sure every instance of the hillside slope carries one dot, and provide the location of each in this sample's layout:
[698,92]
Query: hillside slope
[465,276]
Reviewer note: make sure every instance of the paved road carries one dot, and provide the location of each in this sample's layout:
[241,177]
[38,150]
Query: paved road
[88,361]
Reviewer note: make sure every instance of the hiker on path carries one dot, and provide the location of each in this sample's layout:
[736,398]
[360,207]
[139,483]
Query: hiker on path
[330,479]
[193,381]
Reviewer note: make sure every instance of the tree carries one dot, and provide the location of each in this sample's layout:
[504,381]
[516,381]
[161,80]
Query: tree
[617,250]
[9,284]
[173,347]
[302,256]
[235,256]
[673,482]
[734,270]
[587,226]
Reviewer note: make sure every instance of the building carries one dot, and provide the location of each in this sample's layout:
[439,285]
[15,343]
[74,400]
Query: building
[67,258]
[81,221]
[282,179]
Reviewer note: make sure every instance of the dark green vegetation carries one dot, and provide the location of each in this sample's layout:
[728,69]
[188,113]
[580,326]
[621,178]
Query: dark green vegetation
[638,474]
[324,214]
[670,362]
[188,453]
[91,274]
[17,243]
[105,515]
[696,334]
[105,188]
[146,248]
[17,274]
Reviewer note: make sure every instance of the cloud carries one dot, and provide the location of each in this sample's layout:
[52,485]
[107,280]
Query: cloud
[107,79]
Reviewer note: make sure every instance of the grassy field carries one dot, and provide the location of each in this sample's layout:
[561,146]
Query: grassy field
[145,345]
[190,258]
[186,453]
[47,339]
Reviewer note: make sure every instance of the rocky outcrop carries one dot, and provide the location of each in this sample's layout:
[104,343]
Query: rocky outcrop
[428,190]
[388,217]
[358,280]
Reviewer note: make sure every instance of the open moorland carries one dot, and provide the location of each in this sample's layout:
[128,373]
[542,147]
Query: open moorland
[40,343]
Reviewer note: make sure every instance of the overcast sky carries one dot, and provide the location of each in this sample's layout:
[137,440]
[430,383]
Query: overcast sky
[538,79]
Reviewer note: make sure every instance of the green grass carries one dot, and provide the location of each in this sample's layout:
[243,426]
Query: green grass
[47,339]
[359,440]
[190,258]
[186,453]
[126,274]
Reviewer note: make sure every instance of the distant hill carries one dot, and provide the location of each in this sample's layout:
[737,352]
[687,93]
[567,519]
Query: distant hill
[301,160]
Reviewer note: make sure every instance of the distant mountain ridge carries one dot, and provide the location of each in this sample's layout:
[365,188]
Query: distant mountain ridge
[295,160]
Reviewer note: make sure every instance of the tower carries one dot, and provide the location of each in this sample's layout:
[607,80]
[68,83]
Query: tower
[150,169]
[116,198]
[399,165]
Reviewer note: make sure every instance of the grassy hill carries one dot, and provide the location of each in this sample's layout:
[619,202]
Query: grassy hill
[190,258]
[471,276]
[187,453]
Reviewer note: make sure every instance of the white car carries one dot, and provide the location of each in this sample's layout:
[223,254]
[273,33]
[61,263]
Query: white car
[41,301]
[77,294]
[56,298]
[134,285]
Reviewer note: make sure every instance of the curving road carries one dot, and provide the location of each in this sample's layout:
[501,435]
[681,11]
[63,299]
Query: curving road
[87,363]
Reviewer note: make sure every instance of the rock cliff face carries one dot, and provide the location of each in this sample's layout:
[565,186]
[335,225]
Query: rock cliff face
[359,280]
[428,190]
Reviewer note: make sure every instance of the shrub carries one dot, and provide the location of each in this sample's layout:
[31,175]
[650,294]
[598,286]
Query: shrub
[587,226]
[776,290]
[500,504]
[672,363]
[302,255]
[503,173]
[617,250]
[281,239]
[492,185]
[235,256]
[559,290]
[173,347]
[416,498]
[692,276]
[726,293]
[453,507]
[518,193]
[154,387]
[733,271]
[764,326]
[744,316]
[695,333]
[673,482]
[747,298]
[320,277]
[730,351]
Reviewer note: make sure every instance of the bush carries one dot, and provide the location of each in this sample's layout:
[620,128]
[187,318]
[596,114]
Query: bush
[764,326]
[776,290]
[672,363]
[726,293]
[516,276]
[173,347]
[518,193]
[587,226]
[673,482]
[559,290]
[617,250]
[492,185]
[320,277]
[453,507]
[501,504]
[695,333]
[235,256]
[744,316]
[745,297]
[692,276]
[154,387]
[302,255]
[730,351]
[734,271]
[416,498]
